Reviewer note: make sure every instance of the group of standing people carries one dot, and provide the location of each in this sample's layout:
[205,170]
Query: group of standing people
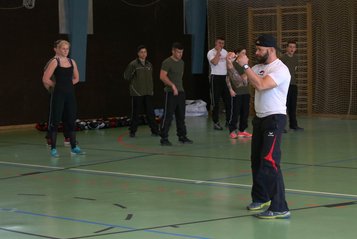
[236,98]
[230,78]
[274,82]
[62,72]
[139,73]
[231,75]
[223,85]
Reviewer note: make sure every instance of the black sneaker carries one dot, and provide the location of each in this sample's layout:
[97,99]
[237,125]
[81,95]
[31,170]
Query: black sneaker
[132,134]
[185,140]
[155,134]
[217,126]
[165,142]
[254,206]
[273,215]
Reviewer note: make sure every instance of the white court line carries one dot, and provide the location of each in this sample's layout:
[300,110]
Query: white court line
[208,182]
[178,179]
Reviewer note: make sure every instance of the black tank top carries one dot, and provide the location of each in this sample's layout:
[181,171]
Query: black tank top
[64,77]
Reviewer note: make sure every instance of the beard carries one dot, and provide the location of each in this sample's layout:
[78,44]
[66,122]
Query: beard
[262,59]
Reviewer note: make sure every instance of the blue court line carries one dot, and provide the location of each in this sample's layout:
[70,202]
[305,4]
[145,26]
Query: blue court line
[98,223]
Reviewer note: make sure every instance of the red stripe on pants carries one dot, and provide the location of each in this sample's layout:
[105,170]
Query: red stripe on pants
[269,157]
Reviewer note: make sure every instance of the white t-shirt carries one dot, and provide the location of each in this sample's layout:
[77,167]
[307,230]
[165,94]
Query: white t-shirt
[272,101]
[221,67]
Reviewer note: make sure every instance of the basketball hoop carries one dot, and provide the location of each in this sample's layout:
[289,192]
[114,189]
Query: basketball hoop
[29,4]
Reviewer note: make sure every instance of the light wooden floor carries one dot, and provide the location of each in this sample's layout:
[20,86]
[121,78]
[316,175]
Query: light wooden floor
[133,188]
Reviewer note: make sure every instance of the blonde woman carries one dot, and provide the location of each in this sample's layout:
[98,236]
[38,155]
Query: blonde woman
[63,100]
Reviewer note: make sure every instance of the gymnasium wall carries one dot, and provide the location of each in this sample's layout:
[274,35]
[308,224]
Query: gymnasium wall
[325,31]
[27,36]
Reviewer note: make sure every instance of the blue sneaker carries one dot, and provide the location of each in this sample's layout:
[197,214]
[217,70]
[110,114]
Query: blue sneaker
[273,215]
[54,153]
[77,151]
[254,206]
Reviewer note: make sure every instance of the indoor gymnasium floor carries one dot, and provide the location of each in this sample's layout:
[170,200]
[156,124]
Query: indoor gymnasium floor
[133,188]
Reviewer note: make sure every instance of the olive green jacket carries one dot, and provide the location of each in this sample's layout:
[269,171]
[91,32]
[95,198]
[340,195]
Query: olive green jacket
[140,77]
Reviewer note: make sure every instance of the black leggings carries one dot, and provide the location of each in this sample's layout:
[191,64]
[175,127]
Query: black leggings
[63,106]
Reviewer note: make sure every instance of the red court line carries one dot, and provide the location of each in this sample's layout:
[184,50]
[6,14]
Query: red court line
[122,142]
[126,145]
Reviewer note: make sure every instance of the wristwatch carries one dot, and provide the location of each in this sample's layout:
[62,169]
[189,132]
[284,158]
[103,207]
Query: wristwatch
[245,66]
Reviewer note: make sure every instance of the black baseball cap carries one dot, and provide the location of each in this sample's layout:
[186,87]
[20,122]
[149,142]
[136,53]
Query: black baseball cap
[266,40]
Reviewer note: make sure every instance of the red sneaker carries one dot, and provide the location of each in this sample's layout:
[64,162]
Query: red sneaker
[244,134]
[48,141]
[67,142]
[233,135]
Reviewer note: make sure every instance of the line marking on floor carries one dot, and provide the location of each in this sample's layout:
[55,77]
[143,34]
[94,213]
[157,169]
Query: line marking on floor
[209,182]
[174,179]
[155,229]
[127,228]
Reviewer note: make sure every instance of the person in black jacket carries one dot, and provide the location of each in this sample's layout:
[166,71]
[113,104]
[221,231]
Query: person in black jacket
[139,73]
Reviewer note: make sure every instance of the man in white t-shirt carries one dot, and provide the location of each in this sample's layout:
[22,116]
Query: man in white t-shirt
[218,87]
[271,79]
